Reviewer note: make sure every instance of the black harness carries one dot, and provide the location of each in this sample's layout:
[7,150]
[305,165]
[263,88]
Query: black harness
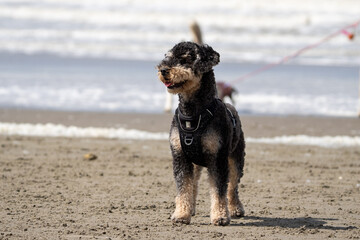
[192,128]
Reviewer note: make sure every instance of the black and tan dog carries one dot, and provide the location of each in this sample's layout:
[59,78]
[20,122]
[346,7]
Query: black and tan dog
[205,132]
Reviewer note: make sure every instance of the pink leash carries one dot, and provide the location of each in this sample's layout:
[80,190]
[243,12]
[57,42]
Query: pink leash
[299,52]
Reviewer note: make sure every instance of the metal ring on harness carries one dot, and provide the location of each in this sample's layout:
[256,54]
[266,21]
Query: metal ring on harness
[188,140]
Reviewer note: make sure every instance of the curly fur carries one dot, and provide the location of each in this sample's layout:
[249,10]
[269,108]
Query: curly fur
[187,70]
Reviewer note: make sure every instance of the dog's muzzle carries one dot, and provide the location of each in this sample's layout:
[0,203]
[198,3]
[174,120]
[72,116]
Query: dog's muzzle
[164,71]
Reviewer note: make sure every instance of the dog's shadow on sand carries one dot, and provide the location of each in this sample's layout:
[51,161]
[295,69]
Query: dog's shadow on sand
[301,223]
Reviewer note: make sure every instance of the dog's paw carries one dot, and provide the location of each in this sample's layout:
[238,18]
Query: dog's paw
[219,213]
[237,211]
[180,219]
[222,221]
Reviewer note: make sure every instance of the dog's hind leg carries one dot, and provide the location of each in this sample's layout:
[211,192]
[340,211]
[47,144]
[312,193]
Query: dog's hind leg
[218,177]
[236,165]
[197,175]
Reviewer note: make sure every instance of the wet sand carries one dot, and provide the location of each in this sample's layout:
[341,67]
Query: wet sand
[49,191]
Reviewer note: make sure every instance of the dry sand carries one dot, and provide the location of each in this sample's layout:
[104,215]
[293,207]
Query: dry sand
[48,191]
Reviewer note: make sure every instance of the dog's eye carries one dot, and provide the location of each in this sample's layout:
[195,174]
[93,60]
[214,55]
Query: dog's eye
[185,60]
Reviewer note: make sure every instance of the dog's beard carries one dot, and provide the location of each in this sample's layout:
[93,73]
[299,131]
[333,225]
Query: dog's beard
[180,80]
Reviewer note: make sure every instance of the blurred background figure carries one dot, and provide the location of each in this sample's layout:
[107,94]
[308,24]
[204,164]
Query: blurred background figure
[225,90]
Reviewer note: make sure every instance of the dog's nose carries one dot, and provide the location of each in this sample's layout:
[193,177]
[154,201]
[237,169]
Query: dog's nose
[164,71]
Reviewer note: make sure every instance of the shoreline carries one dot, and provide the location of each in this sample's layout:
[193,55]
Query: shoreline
[253,125]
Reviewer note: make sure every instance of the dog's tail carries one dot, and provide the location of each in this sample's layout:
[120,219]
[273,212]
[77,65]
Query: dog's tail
[196,32]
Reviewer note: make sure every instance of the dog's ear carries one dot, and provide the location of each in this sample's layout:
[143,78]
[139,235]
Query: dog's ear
[206,59]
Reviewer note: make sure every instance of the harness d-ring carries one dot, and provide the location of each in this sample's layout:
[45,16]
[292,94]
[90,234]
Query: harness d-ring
[188,140]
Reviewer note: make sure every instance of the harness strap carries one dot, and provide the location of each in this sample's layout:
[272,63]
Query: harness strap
[191,129]
[233,119]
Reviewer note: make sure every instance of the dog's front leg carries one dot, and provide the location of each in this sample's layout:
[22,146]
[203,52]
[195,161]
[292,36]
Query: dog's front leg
[183,173]
[197,175]
[184,176]
[218,178]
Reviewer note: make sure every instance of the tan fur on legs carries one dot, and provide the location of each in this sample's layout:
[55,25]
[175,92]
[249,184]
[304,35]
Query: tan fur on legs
[236,208]
[219,213]
[175,139]
[184,201]
[197,175]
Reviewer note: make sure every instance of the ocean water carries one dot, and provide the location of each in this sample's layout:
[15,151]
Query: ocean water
[101,55]
[254,31]
[58,83]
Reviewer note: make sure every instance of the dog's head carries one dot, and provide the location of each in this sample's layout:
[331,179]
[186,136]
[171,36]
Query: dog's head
[183,66]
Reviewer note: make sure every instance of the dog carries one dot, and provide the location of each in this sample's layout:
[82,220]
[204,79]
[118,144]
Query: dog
[204,132]
[225,90]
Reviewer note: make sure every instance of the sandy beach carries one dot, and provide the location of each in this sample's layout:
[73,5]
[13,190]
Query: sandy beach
[49,191]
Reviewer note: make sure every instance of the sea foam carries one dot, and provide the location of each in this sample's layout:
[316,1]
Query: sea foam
[323,141]
[58,130]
